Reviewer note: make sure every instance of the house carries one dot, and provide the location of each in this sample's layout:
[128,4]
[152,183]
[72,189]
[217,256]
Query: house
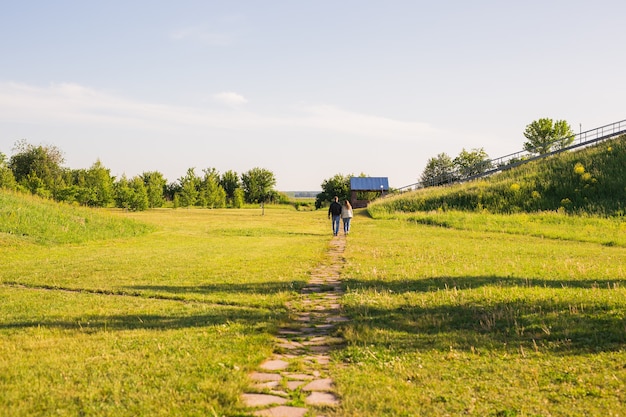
[365,189]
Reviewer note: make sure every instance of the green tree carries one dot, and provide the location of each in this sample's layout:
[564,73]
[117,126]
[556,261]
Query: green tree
[189,188]
[473,162]
[544,135]
[36,168]
[131,194]
[439,170]
[338,185]
[212,194]
[230,182]
[99,181]
[257,184]
[238,198]
[7,180]
[155,185]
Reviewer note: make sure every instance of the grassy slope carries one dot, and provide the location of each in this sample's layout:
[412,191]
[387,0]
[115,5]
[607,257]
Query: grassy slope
[591,181]
[26,218]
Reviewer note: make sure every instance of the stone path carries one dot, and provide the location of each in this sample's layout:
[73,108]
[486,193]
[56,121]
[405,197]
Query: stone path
[294,381]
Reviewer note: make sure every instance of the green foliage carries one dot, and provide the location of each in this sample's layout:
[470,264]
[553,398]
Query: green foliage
[230,183]
[336,186]
[37,168]
[131,194]
[544,135]
[472,162]
[257,184]
[155,185]
[98,183]
[238,198]
[189,188]
[438,170]
[7,180]
[591,180]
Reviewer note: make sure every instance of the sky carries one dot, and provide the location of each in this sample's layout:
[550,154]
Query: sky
[305,89]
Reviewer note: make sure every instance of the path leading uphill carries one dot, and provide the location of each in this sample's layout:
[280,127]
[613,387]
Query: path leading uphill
[295,379]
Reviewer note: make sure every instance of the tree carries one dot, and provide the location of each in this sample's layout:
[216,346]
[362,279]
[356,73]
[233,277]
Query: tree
[230,183]
[238,198]
[257,184]
[472,163]
[338,185]
[98,179]
[131,194]
[212,194]
[543,135]
[439,170]
[37,168]
[155,185]
[7,180]
[189,185]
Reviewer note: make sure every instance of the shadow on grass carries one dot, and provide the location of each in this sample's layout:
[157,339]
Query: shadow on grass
[245,312]
[464,283]
[257,320]
[569,324]
[263,288]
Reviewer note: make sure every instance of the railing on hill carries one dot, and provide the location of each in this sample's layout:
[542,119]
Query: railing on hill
[503,163]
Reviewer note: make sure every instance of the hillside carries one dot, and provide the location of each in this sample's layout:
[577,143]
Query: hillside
[26,218]
[588,181]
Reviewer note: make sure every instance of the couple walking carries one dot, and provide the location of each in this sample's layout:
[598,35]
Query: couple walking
[340,211]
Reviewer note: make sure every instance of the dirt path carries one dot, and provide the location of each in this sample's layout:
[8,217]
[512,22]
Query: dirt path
[294,381]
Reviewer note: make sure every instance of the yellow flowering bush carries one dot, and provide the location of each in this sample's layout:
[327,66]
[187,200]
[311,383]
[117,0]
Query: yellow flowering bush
[579,168]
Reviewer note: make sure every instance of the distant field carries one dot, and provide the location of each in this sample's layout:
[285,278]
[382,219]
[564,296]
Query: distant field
[449,315]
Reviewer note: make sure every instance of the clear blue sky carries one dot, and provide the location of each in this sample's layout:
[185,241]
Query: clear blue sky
[306,89]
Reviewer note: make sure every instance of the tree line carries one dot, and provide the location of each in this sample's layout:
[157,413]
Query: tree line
[38,169]
[543,136]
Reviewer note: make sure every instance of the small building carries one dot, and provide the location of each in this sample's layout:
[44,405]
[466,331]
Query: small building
[365,189]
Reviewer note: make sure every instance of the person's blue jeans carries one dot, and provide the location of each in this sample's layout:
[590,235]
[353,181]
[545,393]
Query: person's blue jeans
[346,224]
[336,220]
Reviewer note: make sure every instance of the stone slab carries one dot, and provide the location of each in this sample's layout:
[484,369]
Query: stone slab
[264,377]
[325,384]
[274,365]
[282,411]
[322,399]
[262,400]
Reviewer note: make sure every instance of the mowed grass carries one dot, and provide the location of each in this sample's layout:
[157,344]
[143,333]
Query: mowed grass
[482,317]
[450,322]
[166,323]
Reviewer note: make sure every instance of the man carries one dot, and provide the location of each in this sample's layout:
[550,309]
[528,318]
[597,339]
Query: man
[335,211]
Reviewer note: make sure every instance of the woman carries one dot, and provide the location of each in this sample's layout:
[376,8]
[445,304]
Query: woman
[346,216]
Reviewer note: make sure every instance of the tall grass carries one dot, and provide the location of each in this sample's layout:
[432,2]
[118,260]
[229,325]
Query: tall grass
[591,181]
[30,218]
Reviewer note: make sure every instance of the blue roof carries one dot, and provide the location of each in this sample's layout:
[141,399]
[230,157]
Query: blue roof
[369,184]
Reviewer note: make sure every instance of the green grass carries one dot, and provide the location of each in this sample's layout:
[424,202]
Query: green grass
[467,322]
[25,218]
[165,323]
[588,181]
[609,231]
[489,315]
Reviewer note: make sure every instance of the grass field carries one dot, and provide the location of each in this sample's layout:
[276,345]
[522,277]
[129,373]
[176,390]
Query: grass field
[482,317]
[166,323]
[448,321]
